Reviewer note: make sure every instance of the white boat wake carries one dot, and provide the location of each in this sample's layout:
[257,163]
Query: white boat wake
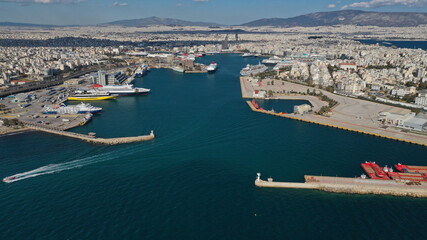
[59,167]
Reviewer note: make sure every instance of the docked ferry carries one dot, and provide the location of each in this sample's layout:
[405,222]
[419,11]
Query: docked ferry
[71,109]
[91,96]
[121,90]
[272,61]
[141,70]
[212,67]
[253,69]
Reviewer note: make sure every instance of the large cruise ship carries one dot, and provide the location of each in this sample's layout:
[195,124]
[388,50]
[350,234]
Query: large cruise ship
[71,109]
[212,67]
[253,69]
[141,70]
[272,61]
[120,89]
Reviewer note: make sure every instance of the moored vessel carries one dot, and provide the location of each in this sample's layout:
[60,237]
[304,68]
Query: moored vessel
[272,61]
[405,173]
[91,96]
[141,71]
[178,69]
[253,69]
[120,90]
[212,67]
[71,109]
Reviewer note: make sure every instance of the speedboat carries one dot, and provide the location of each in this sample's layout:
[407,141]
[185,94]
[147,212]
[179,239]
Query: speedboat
[8,179]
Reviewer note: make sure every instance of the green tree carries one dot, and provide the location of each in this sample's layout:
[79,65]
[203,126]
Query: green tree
[422,86]
[409,98]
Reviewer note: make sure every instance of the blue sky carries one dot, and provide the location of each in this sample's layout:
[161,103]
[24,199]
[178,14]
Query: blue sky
[62,12]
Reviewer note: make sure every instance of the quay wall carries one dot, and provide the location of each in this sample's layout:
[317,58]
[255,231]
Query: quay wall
[290,116]
[6,131]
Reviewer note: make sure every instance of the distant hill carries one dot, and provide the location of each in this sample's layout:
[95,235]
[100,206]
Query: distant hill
[12,24]
[150,21]
[346,17]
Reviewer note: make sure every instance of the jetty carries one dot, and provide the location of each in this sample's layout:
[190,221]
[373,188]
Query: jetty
[417,139]
[352,185]
[88,138]
[349,114]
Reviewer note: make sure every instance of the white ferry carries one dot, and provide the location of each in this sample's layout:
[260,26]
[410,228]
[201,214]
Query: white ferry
[141,70]
[120,90]
[71,109]
[253,69]
[212,67]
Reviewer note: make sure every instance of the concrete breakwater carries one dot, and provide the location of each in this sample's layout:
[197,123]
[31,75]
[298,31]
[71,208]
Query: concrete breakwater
[352,185]
[89,138]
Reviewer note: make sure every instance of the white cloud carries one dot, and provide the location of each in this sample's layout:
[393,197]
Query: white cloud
[331,6]
[179,4]
[200,0]
[381,3]
[117,4]
[43,1]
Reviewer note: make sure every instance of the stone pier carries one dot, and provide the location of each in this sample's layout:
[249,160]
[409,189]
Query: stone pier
[352,185]
[89,138]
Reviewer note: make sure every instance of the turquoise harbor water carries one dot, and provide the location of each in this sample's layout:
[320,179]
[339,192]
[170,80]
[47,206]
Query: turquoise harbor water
[196,179]
[399,44]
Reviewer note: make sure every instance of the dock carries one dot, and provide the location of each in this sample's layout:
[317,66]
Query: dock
[352,185]
[89,138]
[352,127]
[196,71]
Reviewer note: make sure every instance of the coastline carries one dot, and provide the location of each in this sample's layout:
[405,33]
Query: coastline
[7,131]
[342,120]
[351,186]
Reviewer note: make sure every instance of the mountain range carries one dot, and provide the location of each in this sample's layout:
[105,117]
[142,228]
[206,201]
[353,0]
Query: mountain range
[346,17]
[343,17]
[150,21]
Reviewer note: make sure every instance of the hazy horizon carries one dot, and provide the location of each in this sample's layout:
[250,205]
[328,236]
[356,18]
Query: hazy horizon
[90,12]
